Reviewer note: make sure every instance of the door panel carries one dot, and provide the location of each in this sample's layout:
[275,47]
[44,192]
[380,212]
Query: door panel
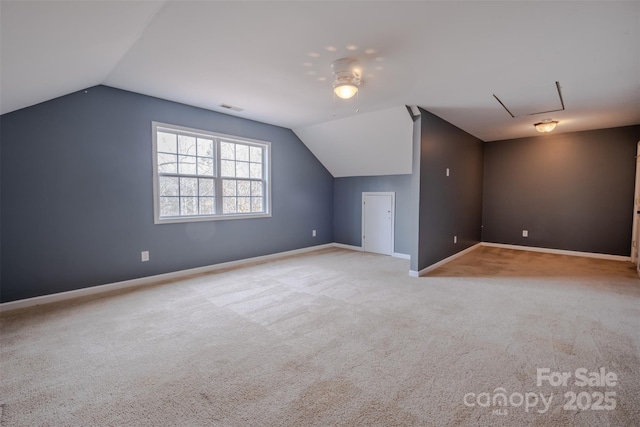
[377,220]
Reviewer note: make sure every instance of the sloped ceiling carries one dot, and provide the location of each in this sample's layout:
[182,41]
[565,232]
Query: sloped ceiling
[273,59]
[52,48]
[356,139]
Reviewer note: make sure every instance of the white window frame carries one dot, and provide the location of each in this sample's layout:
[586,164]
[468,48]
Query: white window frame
[217,138]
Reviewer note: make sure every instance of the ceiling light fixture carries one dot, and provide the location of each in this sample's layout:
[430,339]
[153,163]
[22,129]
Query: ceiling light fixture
[347,75]
[546,125]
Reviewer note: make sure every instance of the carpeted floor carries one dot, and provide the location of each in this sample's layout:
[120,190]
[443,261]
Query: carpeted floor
[338,338]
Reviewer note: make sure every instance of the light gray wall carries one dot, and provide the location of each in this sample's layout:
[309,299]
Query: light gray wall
[347,208]
[77,204]
[571,191]
[449,205]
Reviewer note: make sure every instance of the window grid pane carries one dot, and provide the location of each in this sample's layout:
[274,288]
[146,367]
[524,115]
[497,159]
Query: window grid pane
[206,206]
[169,206]
[256,204]
[228,168]
[167,163]
[242,196]
[188,181]
[167,142]
[229,205]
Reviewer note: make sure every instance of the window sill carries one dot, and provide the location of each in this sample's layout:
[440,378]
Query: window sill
[208,218]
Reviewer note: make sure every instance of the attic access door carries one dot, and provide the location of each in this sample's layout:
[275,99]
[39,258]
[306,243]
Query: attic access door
[378,213]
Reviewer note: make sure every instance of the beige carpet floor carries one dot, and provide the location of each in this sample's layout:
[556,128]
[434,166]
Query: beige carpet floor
[337,338]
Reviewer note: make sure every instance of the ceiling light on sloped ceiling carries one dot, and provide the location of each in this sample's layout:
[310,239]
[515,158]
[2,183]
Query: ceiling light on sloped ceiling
[347,77]
[546,125]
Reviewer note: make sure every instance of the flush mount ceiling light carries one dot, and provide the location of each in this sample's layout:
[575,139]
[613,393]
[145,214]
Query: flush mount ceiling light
[347,75]
[546,125]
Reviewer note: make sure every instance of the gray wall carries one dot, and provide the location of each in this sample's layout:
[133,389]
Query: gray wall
[571,191]
[77,204]
[1,226]
[449,205]
[347,208]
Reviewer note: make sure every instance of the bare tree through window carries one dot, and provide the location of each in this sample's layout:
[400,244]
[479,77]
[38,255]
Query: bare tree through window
[202,174]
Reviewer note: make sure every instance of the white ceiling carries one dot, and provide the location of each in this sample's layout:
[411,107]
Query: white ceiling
[268,57]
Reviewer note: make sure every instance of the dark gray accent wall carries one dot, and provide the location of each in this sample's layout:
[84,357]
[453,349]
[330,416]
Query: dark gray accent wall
[1,231]
[77,204]
[449,205]
[347,208]
[571,191]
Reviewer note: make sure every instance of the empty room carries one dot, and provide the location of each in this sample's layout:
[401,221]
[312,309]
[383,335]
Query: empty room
[319,213]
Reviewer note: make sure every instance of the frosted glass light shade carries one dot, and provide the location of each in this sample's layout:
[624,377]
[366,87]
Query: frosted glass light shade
[546,126]
[345,90]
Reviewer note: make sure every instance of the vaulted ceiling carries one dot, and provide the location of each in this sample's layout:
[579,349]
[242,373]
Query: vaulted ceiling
[272,59]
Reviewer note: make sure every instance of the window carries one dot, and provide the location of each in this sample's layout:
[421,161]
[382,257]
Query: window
[200,175]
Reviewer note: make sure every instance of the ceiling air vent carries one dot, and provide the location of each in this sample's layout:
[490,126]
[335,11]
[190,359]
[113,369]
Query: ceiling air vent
[231,107]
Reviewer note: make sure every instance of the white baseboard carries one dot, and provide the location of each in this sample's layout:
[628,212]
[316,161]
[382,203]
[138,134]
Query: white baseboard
[558,251]
[432,267]
[361,249]
[350,247]
[94,290]
[399,255]
[99,289]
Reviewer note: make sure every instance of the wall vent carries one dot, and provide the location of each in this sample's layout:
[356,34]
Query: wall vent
[231,107]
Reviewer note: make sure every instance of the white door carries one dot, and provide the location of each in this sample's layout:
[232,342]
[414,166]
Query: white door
[377,222]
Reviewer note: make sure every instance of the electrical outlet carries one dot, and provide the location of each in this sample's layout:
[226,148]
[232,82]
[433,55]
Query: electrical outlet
[144,256]
[525,233]
[313,233]
[455,239]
